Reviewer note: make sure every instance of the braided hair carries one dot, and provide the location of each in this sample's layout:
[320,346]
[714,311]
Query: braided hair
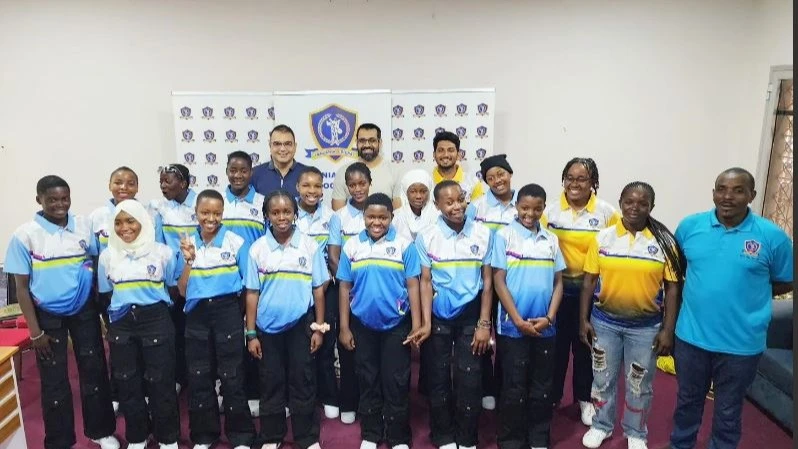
[664,237]
[590,166]
[278,194]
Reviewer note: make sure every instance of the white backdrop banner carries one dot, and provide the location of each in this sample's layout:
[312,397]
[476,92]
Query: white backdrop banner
[208,126]
[325,125]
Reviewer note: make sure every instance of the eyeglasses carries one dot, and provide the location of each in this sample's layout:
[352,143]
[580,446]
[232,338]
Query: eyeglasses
[171,169]
[287,145]
[371,141]
[572,180]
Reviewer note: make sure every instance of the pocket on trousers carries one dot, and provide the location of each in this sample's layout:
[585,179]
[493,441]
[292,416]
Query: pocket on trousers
[154,345]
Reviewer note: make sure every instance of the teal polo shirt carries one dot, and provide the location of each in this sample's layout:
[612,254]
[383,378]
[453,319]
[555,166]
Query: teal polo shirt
[726,301]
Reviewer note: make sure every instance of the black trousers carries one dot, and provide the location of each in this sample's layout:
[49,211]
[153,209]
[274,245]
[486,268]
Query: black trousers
[567,343]
[454,418]
[214,338]
[143,355]
[95,399]
[382,364]
[287,361]
[329,392]
[525,403]
[179,321]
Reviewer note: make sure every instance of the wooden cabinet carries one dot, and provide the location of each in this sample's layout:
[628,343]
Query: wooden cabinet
[12,432]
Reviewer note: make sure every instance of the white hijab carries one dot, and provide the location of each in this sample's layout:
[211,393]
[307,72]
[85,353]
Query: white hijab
[405,215]
[144,243]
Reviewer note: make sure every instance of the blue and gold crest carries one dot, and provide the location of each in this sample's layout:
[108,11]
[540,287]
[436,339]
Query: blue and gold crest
[418,111]
[229,113]
[151,270]
[333,130]
[439,130]
[397,157]
[482,132]
[481,153]
[210,158]
[418,156]
[192,180]
[270,111]
[185,113]
[398,134]
[255,158]
[188,158]
[302,262]
[461,154]
[462,110]
[398,111]
[252,113]
[482,109]
[210,136]
[188,135]
[207,113]
[252,136]
[213,180]
[461,132]
[418,134]
[440,110]
[230,136]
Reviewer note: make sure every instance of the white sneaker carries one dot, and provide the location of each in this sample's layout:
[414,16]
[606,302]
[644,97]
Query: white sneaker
[588,411]
[331,411]
[109,442]
[178,387]
[115,405]
[254,407]
[489,402]
[168,446]
[636,443]
[314,446]
[137,445]
[348,417]
[367,445]
[288,413]
[594,437]
[271,446]
[467,447]
[202,446]
[241,447]
[220,400]
[400,446]
[448,446]
[147,400]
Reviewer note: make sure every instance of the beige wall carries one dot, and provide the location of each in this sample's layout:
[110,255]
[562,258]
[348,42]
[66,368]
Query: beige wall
[666,93]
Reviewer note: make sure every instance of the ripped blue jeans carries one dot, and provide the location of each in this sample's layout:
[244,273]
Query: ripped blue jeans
[631,348]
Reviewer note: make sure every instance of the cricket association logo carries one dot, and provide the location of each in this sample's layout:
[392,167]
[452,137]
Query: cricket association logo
[333,130]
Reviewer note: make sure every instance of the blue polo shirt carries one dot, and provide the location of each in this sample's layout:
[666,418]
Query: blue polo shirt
[218,268]
[378,272]
[728,288]
[266,178]
[345,223]
[488,210]
[173,219]
[244,216]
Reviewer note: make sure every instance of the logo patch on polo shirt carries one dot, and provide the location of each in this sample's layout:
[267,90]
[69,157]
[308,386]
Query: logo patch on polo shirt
[751,248]
[83,245]
[225,255]
[652,249]
[593,222]
[390,250]
[151,270]
[303,262]
[254,212]
[475,249]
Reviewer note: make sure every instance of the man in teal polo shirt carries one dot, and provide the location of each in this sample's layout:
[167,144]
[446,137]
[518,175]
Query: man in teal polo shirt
[736,262]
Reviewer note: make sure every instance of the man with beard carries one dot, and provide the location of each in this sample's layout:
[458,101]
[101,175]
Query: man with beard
[446,150]
[282,171]
[369,140]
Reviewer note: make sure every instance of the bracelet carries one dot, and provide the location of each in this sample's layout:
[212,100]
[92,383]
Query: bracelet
[484,324]
[551,323]
[251,333]
[37,337]
[323,327]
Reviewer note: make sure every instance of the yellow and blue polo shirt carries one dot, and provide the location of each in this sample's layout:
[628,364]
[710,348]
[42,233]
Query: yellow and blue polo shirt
[58,261]
[631,268]
[316,225]
[726,299]
[173,219]
[378,272]
[218,267]
[531,260]
[345,223]
[491,212]
[138,281]
[102,223]
[455,261]
[244,216]
[471,185]
[285,276]
[575,231]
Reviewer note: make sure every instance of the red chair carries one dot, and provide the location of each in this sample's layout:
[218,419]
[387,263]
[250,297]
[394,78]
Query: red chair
[19,338]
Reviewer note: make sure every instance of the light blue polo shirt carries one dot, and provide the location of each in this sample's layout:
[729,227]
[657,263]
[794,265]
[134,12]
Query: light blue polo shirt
[455,261]
[316,225]
[172,219]
[141,281]
[378,272]
[58,261]
[728,288]
[531,259]
[244,216]
[285,276]
[345,223]
[218,267]
[102,223]
[488,210]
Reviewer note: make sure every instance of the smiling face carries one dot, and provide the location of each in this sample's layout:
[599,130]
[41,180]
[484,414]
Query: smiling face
[310,189]
[282,146]
[55,202]
[530,209]
[281,214]
[358,186]
[368,144]
[124,185]
[577,184]
[498,179]
[239,174]
[377,218]
[451,203]
[445,154]
[636,207]
[127,227]
[732,194]
[209,214]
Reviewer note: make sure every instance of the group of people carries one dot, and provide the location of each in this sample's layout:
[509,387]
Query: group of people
[251,298]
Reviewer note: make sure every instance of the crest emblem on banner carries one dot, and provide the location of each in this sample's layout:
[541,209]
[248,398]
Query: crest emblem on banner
[210,136]
[461,154]
[462,110]
[270,111]
[333,130]
[418,134]
[192,180]
[440,110]
[229,113]
[252,136]
[210,158]
[213,180]
[481,153]
[418,156]
[439,130]
[482,109]
[398,134]
[207,113]
[418,111]
[230,136]
[188,135]
[482,132]
[188,158]
[478,174]
[461,132]
[397,157]
[255,158]
[398,111]
[251,112]
[185,113]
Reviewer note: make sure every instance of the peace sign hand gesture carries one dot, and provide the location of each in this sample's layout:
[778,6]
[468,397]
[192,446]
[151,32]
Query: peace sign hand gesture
[187,247]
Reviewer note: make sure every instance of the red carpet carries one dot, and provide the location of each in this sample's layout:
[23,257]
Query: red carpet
[758,430]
